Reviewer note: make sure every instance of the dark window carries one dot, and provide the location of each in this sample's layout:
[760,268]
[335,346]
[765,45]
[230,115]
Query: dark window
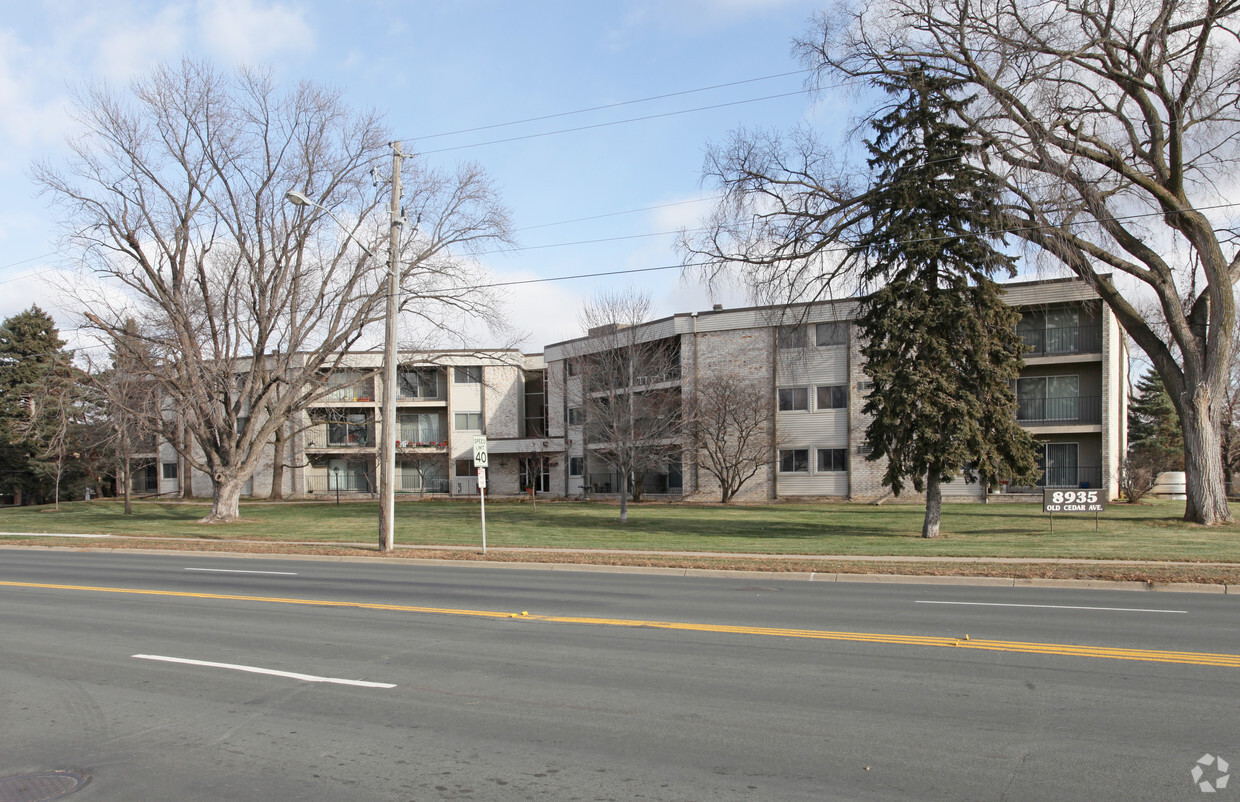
[170,470]
[790,336]
[576,416]
[576,466]
[468,374]
[465,467]
[418,383]
[794,460]
[832,459]
[572,367]
[792,399]
[833,397]
[831,334]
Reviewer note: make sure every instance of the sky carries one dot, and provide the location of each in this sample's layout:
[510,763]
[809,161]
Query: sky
[437,67]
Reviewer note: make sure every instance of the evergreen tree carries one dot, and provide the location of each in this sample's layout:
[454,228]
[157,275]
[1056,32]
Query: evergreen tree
[1154,434]
[30,351]
[940,345]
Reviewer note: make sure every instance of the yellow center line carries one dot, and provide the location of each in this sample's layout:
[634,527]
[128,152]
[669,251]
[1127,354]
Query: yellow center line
[1057,649]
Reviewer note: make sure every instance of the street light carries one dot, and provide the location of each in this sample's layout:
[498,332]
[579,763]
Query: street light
[387,443]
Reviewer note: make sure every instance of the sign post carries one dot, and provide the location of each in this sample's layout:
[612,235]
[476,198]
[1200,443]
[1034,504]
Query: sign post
[1060,500]
[481,463]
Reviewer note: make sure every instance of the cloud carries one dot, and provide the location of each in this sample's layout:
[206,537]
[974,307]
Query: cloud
[130,47]
[249,32]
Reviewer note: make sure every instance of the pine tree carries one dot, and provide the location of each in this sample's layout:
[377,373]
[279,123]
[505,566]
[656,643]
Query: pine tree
[30,351]
[1154,434]
[940,345]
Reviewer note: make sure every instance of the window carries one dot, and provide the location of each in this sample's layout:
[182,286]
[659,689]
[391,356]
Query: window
[534,473]
[418,383]
[1059,464]
[468,420]
[572,367]
[576,466]
[170,470]
[832,459]
[790,337]
[794,460]
[468,374]
[420,428]
[1048,398]
[831,334]
[792,399]
[465,467]
[834,396]
[576,416]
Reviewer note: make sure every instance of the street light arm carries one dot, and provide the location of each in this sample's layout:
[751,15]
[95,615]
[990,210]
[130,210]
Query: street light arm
[298,199]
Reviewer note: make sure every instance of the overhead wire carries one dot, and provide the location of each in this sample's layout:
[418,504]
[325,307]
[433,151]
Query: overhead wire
[614,122]
[610,105]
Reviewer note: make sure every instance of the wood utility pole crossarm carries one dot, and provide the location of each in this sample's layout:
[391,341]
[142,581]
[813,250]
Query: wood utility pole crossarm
[387,451]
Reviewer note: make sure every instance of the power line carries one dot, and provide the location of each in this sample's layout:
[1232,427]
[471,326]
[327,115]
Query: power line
[609,105]
[840,249]
[617,122]
[24,261]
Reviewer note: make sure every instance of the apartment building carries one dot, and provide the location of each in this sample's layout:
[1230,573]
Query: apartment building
[443,399]
[1072,396]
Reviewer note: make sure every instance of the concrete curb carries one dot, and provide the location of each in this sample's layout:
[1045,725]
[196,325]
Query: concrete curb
[711,573]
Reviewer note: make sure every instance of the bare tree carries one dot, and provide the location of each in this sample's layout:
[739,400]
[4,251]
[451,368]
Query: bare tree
[630,390]
[1113,127]
[733,421]
[175,200]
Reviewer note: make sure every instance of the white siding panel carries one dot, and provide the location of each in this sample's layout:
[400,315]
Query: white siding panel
[812,365]
[958,488]
[821,429]
[824,484]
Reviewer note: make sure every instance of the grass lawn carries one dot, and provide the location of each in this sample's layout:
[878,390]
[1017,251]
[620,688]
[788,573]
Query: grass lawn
[1151,531]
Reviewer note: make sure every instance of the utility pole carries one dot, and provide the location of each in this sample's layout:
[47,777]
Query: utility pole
[387,445]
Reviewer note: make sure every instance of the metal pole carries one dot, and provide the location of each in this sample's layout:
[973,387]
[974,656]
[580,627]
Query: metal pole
[387,449]
[482,495]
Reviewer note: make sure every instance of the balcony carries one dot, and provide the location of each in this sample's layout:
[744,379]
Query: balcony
[340,435]
[1068,476]
[1067,410]
[1062,341]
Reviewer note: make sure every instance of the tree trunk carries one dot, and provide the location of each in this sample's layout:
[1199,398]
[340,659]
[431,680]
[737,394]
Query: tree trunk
[624,497]
[187,470]
[279,446]
[126,485]
[1203,467]
[17,495]
[226,500]
[934,505]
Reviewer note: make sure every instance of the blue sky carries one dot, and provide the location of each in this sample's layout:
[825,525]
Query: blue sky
[446,66]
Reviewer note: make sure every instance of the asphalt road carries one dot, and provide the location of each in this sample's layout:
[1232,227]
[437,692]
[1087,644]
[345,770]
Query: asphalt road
[734,688]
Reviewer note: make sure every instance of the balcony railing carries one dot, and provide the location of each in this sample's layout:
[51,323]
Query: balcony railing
[415,484]
[1072,476]
[1069,340]
[340,435]
[351,482]
[1079,409]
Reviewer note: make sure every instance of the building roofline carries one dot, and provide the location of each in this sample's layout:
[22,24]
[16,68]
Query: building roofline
[811,304]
